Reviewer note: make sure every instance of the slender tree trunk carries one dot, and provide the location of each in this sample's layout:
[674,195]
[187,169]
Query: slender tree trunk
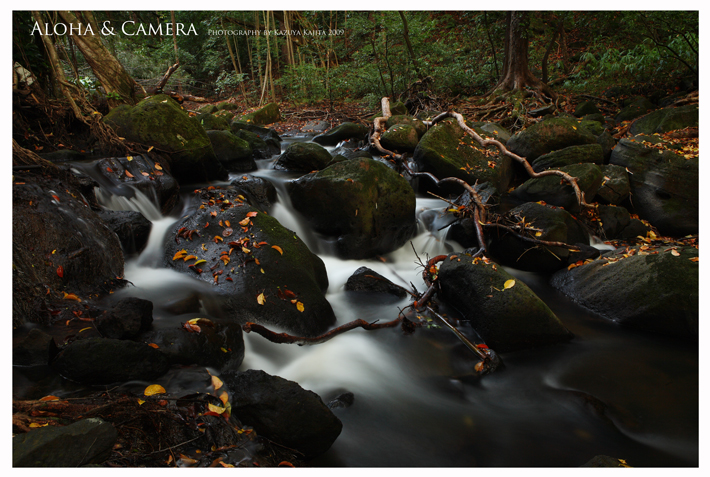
[113,77]
[548,50]
[405,32]
[493,47]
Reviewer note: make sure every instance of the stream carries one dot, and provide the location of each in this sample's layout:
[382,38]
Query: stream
[609,391]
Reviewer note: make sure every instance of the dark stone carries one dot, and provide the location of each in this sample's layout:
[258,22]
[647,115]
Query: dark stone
[282,411]
[315,127]
[367,280]
[547,136]
[210,121]
[128,317]
[636,228]
[615,187]
[256,265]
[633,108]
[342,400]
[88,441]
[233,152]
[588,153]
[507,319]
[303,157]
[259,192]
[667,119]
[664,185]
[586,107]
[614,220]
[604,461]
[64,155]
[344,131]
[653,292]
[215,345]
[262,148]
[365,205]
[106,361]
[131,228]
[36,349]
[607,142]
[350,153]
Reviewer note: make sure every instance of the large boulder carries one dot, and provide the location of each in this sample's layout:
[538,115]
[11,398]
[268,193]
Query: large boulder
[234,153]
[365,280]
[447,151]
[400,138]
[259,270]
[213,122]
[667,119]
[547,136]
[615,187]
[303,157]
[342,132]
[259,192]
[418,124]
[553,224]
[265,115]
[364,204]
[131,227]
[650,288]
[633,108]
[502,310]
[59,246]
[554,190]
[282,411]
[128,317]
[261,147]
[664,185]
[161,122]
[105,361]
[587,153]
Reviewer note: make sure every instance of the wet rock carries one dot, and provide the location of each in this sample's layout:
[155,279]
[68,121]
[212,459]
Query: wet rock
[267,114]
[262,146]
[614,220]
[664,185]
[604,461]
[131,228]
[667,119]
[400,138]
[633,108]
[128,317]
[106,361]
[615,187]
[37,348]
[260,193]
[447,151]
[369,281]
[364,204]
[202,342]
[351,152]
[587,153]
[211,121]
[161,122]
[247,255]
[234,153]
[282,411]
[489,130]
[507,319]
[64,155]
[635,229]
[555,225]
[344,131]
[303,157]
[88,441]
[556,191]
[342,400]
[123,175]
[267,135]
[315,127]
[405,119]
[58,244]
[547,136]
[653,289]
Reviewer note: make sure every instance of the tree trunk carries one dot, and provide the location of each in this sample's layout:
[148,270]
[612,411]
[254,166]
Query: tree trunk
[118,84]
[516,73]
[410,50]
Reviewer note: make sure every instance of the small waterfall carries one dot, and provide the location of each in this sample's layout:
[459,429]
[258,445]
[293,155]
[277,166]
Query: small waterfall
[138,202]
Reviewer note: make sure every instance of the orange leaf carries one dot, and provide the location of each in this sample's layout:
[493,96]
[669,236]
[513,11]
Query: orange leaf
[60,271]
[278,249]
[50,398]
[157,166]
[71,296]
[109,169]
[216,382]
[244,222]
[252,214]
[261,299]
[189,257]
[153,345]
[154,389]
[145,173]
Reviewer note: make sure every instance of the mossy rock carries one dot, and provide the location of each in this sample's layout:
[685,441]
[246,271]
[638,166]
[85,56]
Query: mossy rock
[303,157]
[342,132]
[234,153]
[209,109]
[227,106]
[656,292]
[226,114]
[408,120]
[664,185]
[213,122]
[400,138]
[160,121]
[586,107]
[554,224]
[398,108]
[488,130]
[547,136]
[593,126]
[266,115]
[507,319]
[633,108]
[266,259]
[556,191]
[667,119]
[447,151]
[261,149]
[366,206]
[587,153]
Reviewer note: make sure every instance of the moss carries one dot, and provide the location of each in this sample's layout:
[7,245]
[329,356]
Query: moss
[266,115]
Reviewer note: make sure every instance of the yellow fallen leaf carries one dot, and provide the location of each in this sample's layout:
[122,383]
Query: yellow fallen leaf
[278,249]
[154,389]
[214,408]
[34,424]
[189,257]
[224,397]
[71,296]
[261,299]
[140,402]
[300,306]
[84,329]
[180,254]
[509,284]
[675,253]
[216,382]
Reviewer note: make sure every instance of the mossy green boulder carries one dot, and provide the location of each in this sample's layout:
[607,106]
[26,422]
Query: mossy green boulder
[547,136]
[400,138]
[504,311]
[342,132]
[409,120]
[364,205]
[303,157]
[666,119]
[234,153]
[212,121]
[161,122]
[447,151]
[587,153]
[266,115]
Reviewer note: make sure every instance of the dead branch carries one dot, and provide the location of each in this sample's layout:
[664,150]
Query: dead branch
[166,76]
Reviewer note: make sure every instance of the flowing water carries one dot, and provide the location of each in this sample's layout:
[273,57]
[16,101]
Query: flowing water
[609,391]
